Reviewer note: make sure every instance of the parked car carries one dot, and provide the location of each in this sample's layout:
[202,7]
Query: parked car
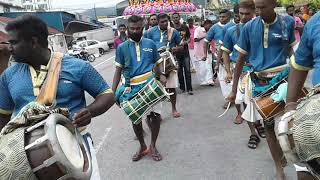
[92,46]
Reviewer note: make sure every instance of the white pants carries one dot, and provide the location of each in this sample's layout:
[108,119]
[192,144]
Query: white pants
[192,59]
[226,88]
[95,168]
[204,71]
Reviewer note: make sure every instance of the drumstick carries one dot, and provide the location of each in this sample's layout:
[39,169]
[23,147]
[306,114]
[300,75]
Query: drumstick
[77,139]
[77,136]
[229,104]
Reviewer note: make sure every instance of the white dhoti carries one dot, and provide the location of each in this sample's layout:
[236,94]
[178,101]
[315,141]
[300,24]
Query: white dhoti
[204,71]
[251,113]
[192,59]
[226,88]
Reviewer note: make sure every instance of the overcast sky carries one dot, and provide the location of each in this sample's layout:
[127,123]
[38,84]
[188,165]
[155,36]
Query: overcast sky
[81,4]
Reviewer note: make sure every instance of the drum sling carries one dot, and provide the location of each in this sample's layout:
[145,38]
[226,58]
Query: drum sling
[13,159]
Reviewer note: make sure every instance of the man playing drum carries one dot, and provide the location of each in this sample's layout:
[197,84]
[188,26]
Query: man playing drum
[267,41]
[307,57]
[159,34]
[142,56]
[247,9]
[20,84]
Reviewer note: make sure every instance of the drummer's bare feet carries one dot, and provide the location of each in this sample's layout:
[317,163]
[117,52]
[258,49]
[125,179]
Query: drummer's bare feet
[280,174]
[155,153]
[141,152]
[238,119]
[176,114]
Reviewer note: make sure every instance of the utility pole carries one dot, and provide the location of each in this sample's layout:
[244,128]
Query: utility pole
[95,12]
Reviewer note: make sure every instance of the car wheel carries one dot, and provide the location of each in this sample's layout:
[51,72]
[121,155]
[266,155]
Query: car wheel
[101,51]
[91,58]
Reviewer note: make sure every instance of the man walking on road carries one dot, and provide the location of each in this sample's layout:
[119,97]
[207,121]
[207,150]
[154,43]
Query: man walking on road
[167,37]
[267,42]
[183,56]
[135,60]
[216,33]
[192,29]
[123,36]
[203,65]
[20,84]
[247,9]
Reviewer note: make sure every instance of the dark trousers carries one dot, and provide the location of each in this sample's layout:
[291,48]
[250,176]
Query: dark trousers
[215,75]
[184,73]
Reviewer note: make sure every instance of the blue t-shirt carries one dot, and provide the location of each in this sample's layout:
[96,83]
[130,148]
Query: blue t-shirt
[307,55]
[267,45]
[215,33]
[160,37]
[144,56]
[225,29]
[230,39]
[76,77]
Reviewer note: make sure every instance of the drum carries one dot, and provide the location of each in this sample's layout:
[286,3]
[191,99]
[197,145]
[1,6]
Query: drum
[56,150]
[299,135]
[269,109]
[169,63]
[144,100]
[286,141]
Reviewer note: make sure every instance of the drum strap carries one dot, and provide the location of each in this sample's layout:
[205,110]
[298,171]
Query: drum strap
[48,92]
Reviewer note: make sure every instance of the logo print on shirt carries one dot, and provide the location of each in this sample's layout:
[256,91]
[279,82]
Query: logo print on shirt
[67,82]
[147,50]
[277,35]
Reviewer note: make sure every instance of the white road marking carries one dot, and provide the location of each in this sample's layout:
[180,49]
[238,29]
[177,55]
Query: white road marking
[103,61]
[102,140]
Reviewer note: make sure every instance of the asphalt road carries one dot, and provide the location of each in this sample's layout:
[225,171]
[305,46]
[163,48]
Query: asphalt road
[197,146]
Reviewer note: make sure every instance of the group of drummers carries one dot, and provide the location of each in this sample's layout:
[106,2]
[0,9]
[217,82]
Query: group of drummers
[258,62]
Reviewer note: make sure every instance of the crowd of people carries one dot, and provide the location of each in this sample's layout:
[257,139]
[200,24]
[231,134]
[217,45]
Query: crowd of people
[250,54]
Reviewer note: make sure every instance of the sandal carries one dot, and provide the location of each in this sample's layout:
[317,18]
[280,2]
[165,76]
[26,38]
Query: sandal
[254,140]
[140,154]
[156,156]
[261,131]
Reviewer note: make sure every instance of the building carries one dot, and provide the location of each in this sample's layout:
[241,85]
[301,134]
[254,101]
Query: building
[121,6]
[64,22]
[10,6]
[36,5]
[5,20]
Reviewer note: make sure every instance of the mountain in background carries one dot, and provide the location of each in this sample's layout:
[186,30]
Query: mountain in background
[101,12]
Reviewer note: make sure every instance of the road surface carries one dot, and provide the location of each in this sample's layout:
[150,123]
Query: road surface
[197,146]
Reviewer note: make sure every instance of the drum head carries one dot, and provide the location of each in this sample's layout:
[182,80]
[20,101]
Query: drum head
[70,146]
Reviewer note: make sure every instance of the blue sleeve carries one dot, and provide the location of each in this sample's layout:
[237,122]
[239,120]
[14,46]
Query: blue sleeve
[119,61]
[211,34]
[176,38]
[6,102]
[93,82]
[156,55]
[227,42]
[145,34]
[303,59]
[243,44]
